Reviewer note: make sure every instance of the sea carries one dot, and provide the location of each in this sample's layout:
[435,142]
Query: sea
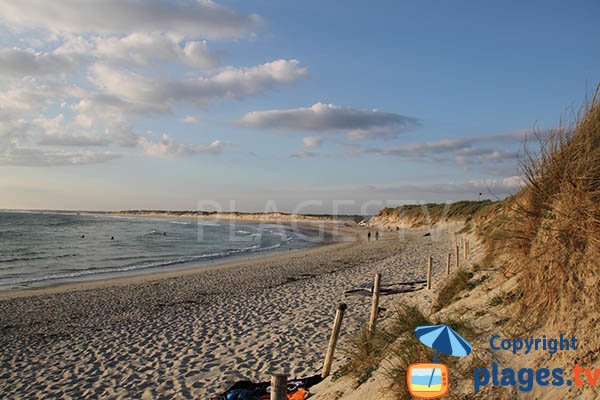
[40,249]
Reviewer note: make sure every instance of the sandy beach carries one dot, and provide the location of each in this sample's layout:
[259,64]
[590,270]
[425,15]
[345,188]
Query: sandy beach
[190,334]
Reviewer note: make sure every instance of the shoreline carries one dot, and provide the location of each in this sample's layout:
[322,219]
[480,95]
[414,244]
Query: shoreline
[227,263]
[331,237]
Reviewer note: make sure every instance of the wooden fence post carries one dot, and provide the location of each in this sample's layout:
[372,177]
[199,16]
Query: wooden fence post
[448,264]
[335,333]
[429,268]
[278,387]
[374,305]
[457,258]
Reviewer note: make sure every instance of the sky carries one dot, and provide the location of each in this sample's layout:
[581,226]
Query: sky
[308,106]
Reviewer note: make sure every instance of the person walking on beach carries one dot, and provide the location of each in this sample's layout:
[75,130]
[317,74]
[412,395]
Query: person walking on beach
[376,235]
[369,236]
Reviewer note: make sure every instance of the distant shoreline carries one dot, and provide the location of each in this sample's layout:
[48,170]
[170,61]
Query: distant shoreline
[223,215]
[246,216]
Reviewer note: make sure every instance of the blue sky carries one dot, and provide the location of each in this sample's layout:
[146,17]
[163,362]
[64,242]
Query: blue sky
[178,103]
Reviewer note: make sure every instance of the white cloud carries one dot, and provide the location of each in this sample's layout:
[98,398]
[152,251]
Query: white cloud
[30,95]
[69,139]
[355,123]
[14,150]
[35,157]
[149,95]
[17,62]
[55,133]
[145,48]
[308,143]
[122,47]
[167,147]
[311,142]
[74,45]
[189,119]
[190,18]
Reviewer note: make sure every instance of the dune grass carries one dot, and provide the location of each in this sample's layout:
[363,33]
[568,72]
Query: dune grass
[452,287]
[394,346]
[550,232]
[435,212]
[365,353]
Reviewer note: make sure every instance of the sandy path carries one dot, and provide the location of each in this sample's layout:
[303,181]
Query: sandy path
[190,337]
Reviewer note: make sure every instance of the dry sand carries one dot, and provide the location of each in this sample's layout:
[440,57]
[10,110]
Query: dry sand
[191,334]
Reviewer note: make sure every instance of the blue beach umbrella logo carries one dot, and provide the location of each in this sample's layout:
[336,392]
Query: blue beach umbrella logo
[443,339]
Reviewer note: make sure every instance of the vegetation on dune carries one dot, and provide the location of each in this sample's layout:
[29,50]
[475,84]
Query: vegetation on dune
[434,212]
[550,234]
[452,287]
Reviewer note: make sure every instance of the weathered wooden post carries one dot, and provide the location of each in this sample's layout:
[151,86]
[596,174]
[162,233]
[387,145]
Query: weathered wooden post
[429,268]
[448,264]
[278,387]
[335,333]
[465,249]
[374,305]
[457,258]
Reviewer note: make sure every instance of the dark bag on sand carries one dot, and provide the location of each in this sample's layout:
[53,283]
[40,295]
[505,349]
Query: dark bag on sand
[241,394]
[246,390]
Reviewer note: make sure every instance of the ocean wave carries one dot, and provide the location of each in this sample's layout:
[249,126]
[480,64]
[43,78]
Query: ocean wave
[207,223]
[180,222]
[59,256]
[134,267]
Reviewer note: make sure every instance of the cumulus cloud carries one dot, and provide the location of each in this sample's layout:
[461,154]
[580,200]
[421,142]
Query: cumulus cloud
[29,95]
[311,142]
[15,151]
[55,133]
[167,147]
[189,119]
[308,144]
[355,123]
[17,62]
[36,157]
[69,139]
[97,67]
[149,95]
[190,18]
[144,48]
